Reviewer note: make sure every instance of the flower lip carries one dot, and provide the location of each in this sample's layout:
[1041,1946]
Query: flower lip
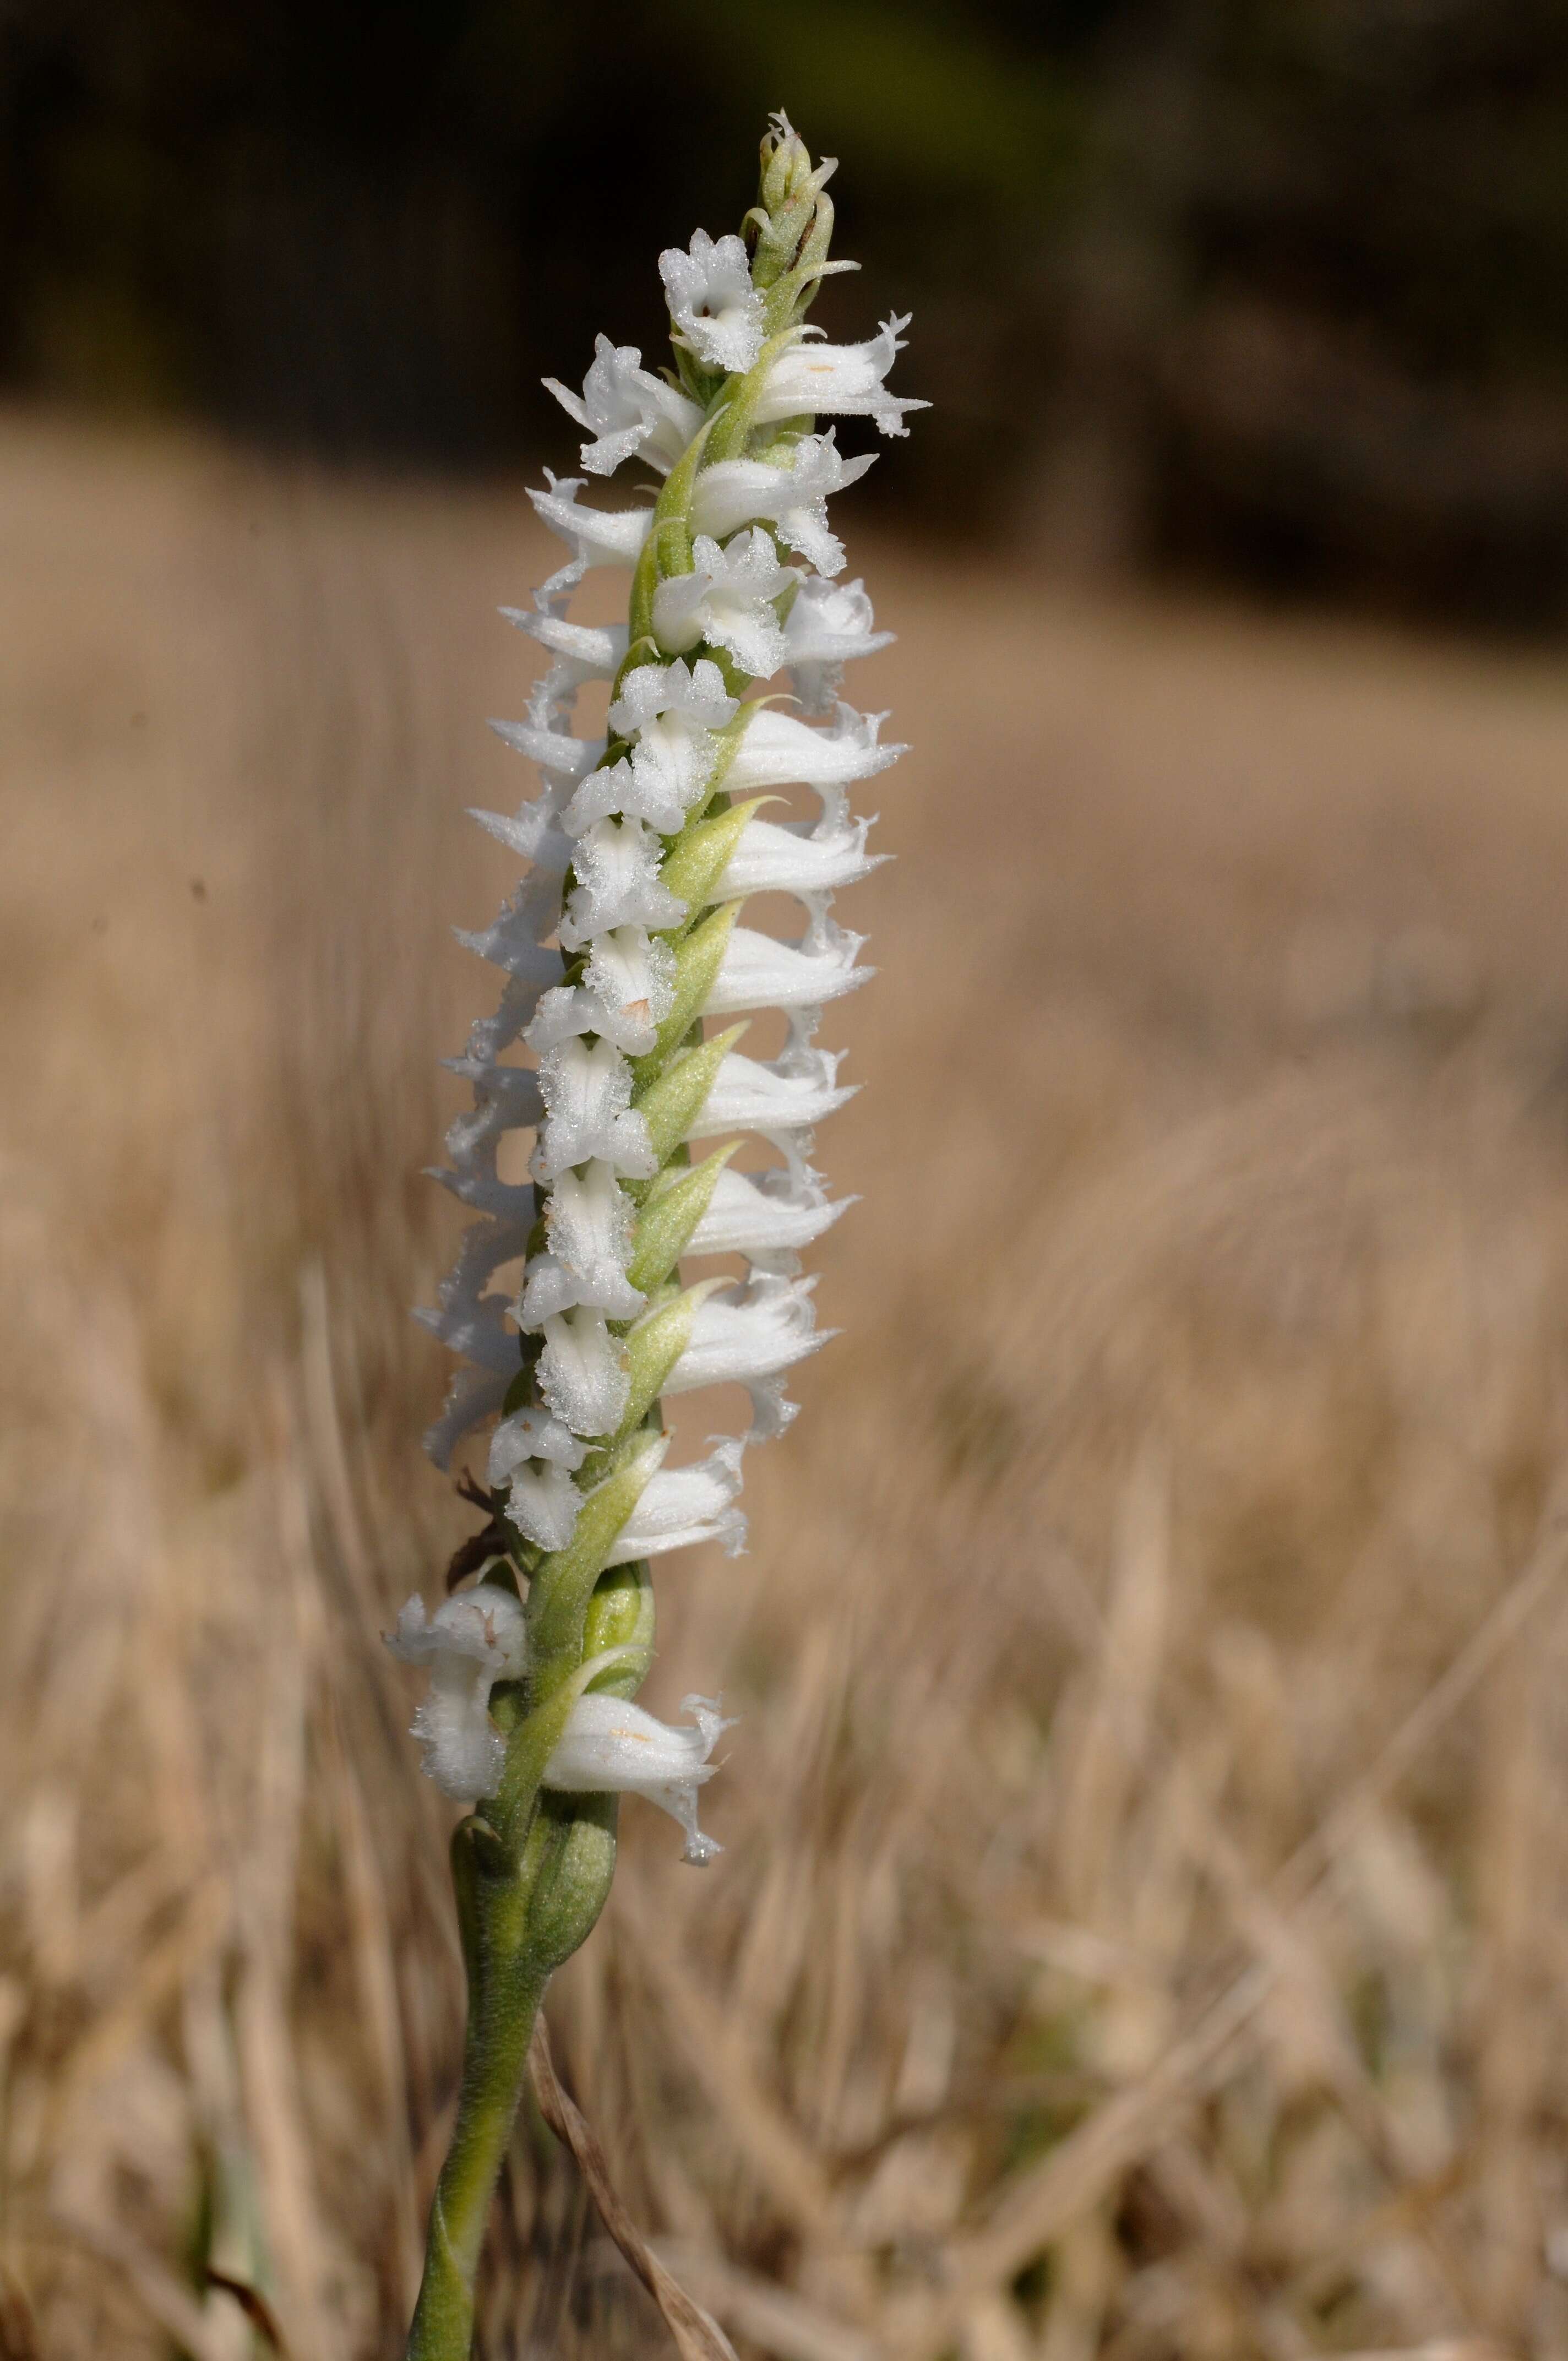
[628,411]
[717,313]
[474,1640]
[612,1746]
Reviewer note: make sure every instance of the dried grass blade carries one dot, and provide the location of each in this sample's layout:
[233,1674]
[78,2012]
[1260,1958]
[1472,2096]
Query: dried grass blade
[254,2305]
[697,2336]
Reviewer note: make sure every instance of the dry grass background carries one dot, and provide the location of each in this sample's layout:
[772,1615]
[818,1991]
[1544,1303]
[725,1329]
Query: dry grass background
[1142,1922]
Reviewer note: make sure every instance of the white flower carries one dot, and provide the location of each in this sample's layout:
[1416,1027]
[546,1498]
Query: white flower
[734,491]
[485,1192]
[793,856]
[682,1506]
[776,750]
[529,1434]
[627,992]
[507,1099]
[672,712]
[554,750]
[713,303]
[627,411]
[842,380]
[728,601]
[828,624]
[595,536]
[630,979]
[765,1215]
[553,1286]
[666,706]
[589,651]
[533,830]
[471,1642]
[587,1093]
[532,1454]
[475,1330]
[542,1502]
[776,1098]
[612,1747]
[590,1223]
[512,940]
[747,1336]
[589,1220]
[759,973]
[616,863]
[582,1372]
[472,1396]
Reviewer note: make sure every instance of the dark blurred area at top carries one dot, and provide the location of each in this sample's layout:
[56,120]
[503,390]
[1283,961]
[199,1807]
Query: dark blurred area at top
[1269,292]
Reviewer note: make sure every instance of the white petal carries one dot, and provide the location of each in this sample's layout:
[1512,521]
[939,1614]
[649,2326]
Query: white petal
[477,1331]
[532,1433]
[542,1503]
[613,1746]
[533,830]
[727,601]
[746,1338]
[793,495]
[590,1219]
[696,693]
[712,301]
[764,1214]
[586,1091]
[776,750]
[790,857]
[845,380]
[512,940]
[617,864]
[628,411]
[595,536]
[828,624]
[553,750]
[472,1396]
[632,790]
[773,1098]
[552,1287]
[562,1015]
[758,973]
[682,1506]
[594,651]
[473,1641]
[633,981]
[582,1373]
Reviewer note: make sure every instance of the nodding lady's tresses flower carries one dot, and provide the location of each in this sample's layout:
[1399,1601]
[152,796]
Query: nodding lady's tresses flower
[475,1640]
[631,978]
[717,313]
[610,1743]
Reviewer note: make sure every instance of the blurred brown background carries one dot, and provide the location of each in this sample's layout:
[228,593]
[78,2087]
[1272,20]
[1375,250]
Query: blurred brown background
[1142,1926]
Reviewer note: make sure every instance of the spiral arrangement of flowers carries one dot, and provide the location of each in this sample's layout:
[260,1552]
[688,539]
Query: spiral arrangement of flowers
[632,979]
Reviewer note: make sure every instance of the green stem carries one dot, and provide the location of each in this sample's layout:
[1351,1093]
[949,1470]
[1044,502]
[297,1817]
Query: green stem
[507,1987]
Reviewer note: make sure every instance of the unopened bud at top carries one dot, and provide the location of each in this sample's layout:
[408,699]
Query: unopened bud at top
[786,163]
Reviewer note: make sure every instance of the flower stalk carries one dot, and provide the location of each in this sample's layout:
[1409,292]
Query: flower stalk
[621,945]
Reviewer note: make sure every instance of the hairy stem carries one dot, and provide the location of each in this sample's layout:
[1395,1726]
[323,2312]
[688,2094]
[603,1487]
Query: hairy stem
[506,1989]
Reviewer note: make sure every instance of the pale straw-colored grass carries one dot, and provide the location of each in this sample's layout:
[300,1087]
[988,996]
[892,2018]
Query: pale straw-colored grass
[1142,1927]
